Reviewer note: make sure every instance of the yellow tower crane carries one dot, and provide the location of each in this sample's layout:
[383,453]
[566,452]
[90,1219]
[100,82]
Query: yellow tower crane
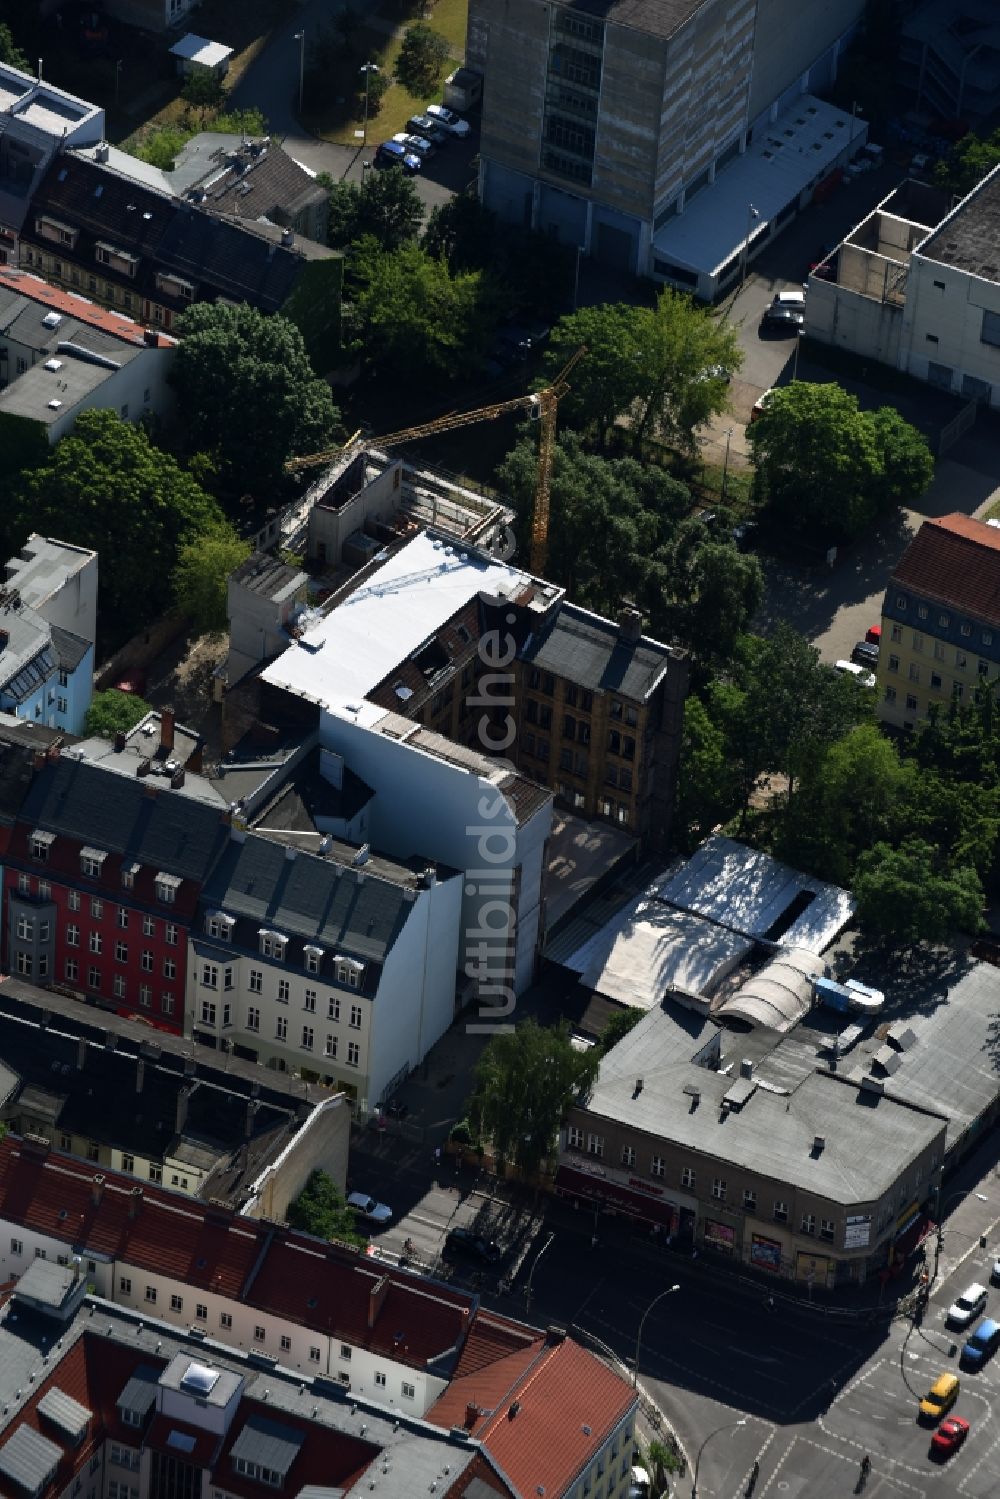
[541,404]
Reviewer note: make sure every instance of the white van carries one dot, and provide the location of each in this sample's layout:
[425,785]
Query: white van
[851,668]
[793,299]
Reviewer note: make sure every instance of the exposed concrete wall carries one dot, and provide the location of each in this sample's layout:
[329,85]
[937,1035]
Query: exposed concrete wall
[322,1144]
[511,47]
[849,319]
[632,85]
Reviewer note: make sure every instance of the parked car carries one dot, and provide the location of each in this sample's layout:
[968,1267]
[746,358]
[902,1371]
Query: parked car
[428,127]
[873,634]
[761,404]
[865,654]
[939,1398]
[393,154]
[968,1306]
[369,1207]
[783,317]
[417,144]
[465,1243]
[449,120]
[949,1436]
[981,1344]
[851,669]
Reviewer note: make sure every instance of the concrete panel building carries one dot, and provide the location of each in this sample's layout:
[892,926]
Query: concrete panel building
[603,123]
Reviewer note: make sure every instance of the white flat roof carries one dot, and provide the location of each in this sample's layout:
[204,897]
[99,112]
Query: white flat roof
[800,146]
[199,49]
[750,892]
[385,620]
[648,949]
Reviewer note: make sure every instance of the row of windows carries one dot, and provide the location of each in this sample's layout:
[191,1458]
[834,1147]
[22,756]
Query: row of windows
[940,654]
[331,1046]
[108,290]
[74,902]
[119,985]
[212,977]
[95,945]
[92,862]
[594,1145]
[943,620]
[92,1151]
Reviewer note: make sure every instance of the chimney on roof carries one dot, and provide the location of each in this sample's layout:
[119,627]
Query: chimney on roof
[152,790]
[134,1202]
[102,151]
[194,763]
[375,1299]
[287,236]
[140,1075]
[38,759]
[52,753]
[150,337]
[121,739]
[471,1415]
[629,624]
[144,767]
[167,729]
[177,779]
[97,1189]
[183,1100]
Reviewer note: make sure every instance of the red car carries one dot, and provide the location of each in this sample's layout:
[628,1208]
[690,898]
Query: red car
[949,1436]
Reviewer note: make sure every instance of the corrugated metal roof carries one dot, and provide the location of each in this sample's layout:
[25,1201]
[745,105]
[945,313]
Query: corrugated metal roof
[139,1394]
[267,1444]
[29,1459]
[68,1414]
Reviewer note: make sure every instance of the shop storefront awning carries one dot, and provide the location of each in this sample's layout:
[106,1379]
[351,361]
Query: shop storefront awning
[584,1184]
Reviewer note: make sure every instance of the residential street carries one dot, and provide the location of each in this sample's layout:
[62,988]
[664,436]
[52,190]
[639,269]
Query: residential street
[805,1389]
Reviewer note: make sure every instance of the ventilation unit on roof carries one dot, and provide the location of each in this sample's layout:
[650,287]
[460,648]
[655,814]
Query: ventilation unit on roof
[52,320]
[54,405]
[53,364]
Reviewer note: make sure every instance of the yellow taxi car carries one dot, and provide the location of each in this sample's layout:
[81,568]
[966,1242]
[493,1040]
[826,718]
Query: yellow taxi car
[939,1398]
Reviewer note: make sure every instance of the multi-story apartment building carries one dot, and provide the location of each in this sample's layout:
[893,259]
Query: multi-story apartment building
[940,619]
[334,963]
[601,125]
[102,874]
[48,627]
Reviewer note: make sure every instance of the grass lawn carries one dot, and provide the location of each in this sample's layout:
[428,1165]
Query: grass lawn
[334,119]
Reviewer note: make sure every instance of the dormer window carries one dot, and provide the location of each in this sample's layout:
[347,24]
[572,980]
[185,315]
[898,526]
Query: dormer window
[116,259]
[220,926]
[272,944]
[314,958]
[40,845]
[92,862]
[167,886]
[349,972]
[129,872]
[54,230]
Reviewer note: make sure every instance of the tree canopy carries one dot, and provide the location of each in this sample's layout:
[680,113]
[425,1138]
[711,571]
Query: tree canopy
[968,162]
[825,467]
[525,1081]
[385,206]
[106,486]
[908,893]
[248,395]
[10,52]
[661,368]
[421,58]
[320,1209]
[113,712]
[201,575]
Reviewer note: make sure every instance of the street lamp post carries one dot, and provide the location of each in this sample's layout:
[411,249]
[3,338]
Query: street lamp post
[730,1426]
[725,464]
[531,1276]
[795,361]
[300,37]
[752,213]
[367,68]
[642,1322]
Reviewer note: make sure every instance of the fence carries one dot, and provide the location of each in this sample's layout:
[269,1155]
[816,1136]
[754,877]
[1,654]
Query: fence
[957,427]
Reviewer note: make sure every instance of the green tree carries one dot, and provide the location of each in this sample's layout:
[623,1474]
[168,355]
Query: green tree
[247,394]
[106,486]
[608,382]
[414,317]
[909,893]
[619,1023]
[203,89]
[113,712]
[462,232]
[714,592]
[850,799]
[826,468]
[968,162]
[10,52]
[201,575]
[526,1079]
[321,1210]
[386,206]
[421,58]
[708,785]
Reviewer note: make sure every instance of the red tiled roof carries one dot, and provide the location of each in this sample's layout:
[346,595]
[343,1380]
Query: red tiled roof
[568,1403]
[72,305]
[493,1337]
[170,1234]
[483,1391]
[201,1453]
[955,560]
[331,1292]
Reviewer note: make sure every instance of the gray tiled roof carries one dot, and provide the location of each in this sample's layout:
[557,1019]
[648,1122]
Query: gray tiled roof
[589,651]
[268,1443]
[28,1458]
[171,831]
[309,897]
[69,649]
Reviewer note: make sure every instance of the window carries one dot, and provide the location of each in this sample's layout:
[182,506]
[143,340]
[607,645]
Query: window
[628,1155]
[987,637]
[73,900]
[914,672]
[687,1175]
[255,982]
[44,891]
[176,1304]
[253,1018]
[379,1380]
[121,952]
[309,1003]
[148,926]
[936,679]
[219,926]
[966,630]
[209,976]
[314,957]
[25,928]
[91,862]
[961,660]
[307,1038]
[808,1224]
[208,1012]
[272,945]
[781,1212]
[749,1200]
[225,1320]
[17,1246]
[281,1029]
[918,641]
[170,934]
[259,1334]
[990,331]
[345,1351]
[170,968]
[353,1053]
[155,1173]
[938,651]
[128,883]
[40,845]
[151,1294]
[314,1355]
[125,1285]
[595,1145]
[911,703]
[97,909]
[24,885]
[72,969]
[893,663]
[286,1343]
[118,987]
[355,1017]
[719,1189]
[96,942]
[146,960]
[284,990]
[826,1228]
[574,1137]
[330,1049]
[333,1009]
[166,888]
[93,978]
[657,1166]
[408,1391]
